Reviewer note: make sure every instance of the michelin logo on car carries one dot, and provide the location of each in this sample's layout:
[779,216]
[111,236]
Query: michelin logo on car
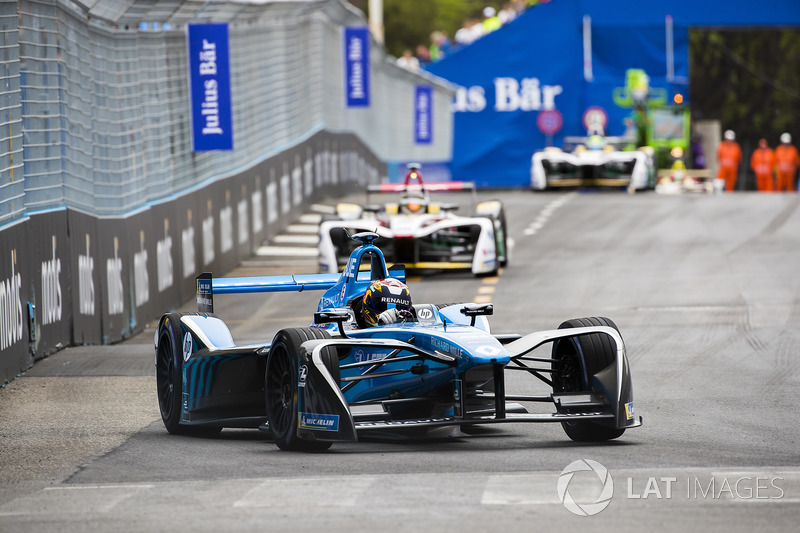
[320,422]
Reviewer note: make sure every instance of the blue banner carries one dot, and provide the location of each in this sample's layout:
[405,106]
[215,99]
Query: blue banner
[423,114]
[356,59]
[210,85]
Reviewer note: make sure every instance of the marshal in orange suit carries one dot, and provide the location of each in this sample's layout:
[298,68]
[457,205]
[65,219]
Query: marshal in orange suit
[729,155]
[763,164]
[788,160]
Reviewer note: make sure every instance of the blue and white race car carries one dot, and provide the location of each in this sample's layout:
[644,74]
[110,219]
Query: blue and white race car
[335,380]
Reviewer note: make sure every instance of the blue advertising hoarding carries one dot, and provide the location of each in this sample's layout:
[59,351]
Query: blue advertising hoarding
[210,87]
[356,59]
[423,114]
[505,79]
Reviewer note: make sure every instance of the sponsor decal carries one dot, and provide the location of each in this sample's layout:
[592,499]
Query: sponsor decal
[51,288]
[256,200]
[362,357]
[391,300]
[526,94]
[303,376]
[425,314]
[318,421]
[286,192]
[208,236]
[356,56]
[187,248]
[308,172]
[629,410]
[187,346]
[209,81]
[226,225]
[203,286]
[423,114]
[11,323]
[141,278]
[488,350]
[244,219]
[297,182]
[164,259]
[86,281]
[116,295]
[445,347]
[272,201]
[333,166]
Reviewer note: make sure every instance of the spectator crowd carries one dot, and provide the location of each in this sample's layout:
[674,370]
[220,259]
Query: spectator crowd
[471,30]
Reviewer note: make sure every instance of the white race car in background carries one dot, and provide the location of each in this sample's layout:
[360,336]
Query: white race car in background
[418,232]
[593,164]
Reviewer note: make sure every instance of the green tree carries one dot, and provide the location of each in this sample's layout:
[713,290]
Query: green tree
[408,23]
[747,79]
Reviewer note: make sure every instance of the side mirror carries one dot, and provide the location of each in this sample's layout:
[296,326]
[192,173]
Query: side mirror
[474,310]
[339,317]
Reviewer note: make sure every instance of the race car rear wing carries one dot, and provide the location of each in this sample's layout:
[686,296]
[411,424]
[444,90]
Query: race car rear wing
[208,286]
[437,186]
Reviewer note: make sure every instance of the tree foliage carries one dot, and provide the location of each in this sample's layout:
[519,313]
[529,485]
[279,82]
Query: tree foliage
[747,79]
[408,23]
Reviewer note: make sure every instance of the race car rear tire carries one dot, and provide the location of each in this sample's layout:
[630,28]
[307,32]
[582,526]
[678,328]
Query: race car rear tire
[579,358]
[282,390]
[169,379]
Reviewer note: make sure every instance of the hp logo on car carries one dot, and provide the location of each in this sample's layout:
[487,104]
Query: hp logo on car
[604,477]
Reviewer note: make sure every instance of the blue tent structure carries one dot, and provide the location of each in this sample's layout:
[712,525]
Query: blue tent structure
[528,84]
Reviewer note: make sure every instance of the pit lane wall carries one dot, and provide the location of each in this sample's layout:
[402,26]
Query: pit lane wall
[70,278]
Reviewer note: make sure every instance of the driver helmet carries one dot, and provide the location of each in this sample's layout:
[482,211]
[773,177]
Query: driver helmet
[414,202]
[383,294]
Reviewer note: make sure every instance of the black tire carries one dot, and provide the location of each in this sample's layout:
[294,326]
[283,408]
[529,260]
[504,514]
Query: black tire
[578,359]
[169,383]
[281,388]
[501,238]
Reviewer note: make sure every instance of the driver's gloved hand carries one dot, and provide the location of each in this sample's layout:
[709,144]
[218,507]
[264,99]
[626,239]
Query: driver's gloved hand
[393,316]
[388,317]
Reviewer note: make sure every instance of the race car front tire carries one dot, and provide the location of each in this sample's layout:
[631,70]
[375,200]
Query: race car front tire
[282,390]
[169,379]
[578,359]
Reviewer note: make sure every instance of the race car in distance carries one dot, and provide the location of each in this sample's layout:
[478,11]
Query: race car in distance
[338,380]
[418,232]
[593,163]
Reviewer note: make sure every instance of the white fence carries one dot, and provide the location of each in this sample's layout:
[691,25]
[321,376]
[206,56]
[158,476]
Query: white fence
[94,100]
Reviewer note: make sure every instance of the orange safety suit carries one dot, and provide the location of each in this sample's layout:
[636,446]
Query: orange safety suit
[787,160]
[729,155]
[763,163]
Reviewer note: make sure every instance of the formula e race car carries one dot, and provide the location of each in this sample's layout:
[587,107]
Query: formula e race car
[418,232]
[337,380]
[593,164]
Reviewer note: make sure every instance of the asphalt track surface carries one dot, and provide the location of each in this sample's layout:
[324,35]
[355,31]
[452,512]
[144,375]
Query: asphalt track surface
[706,293]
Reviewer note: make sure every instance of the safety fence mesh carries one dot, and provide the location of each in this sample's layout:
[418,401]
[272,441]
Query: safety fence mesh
[94,98]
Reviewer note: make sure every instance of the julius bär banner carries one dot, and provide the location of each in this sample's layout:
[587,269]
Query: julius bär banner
[209,77]
[356,59]
[423,114]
